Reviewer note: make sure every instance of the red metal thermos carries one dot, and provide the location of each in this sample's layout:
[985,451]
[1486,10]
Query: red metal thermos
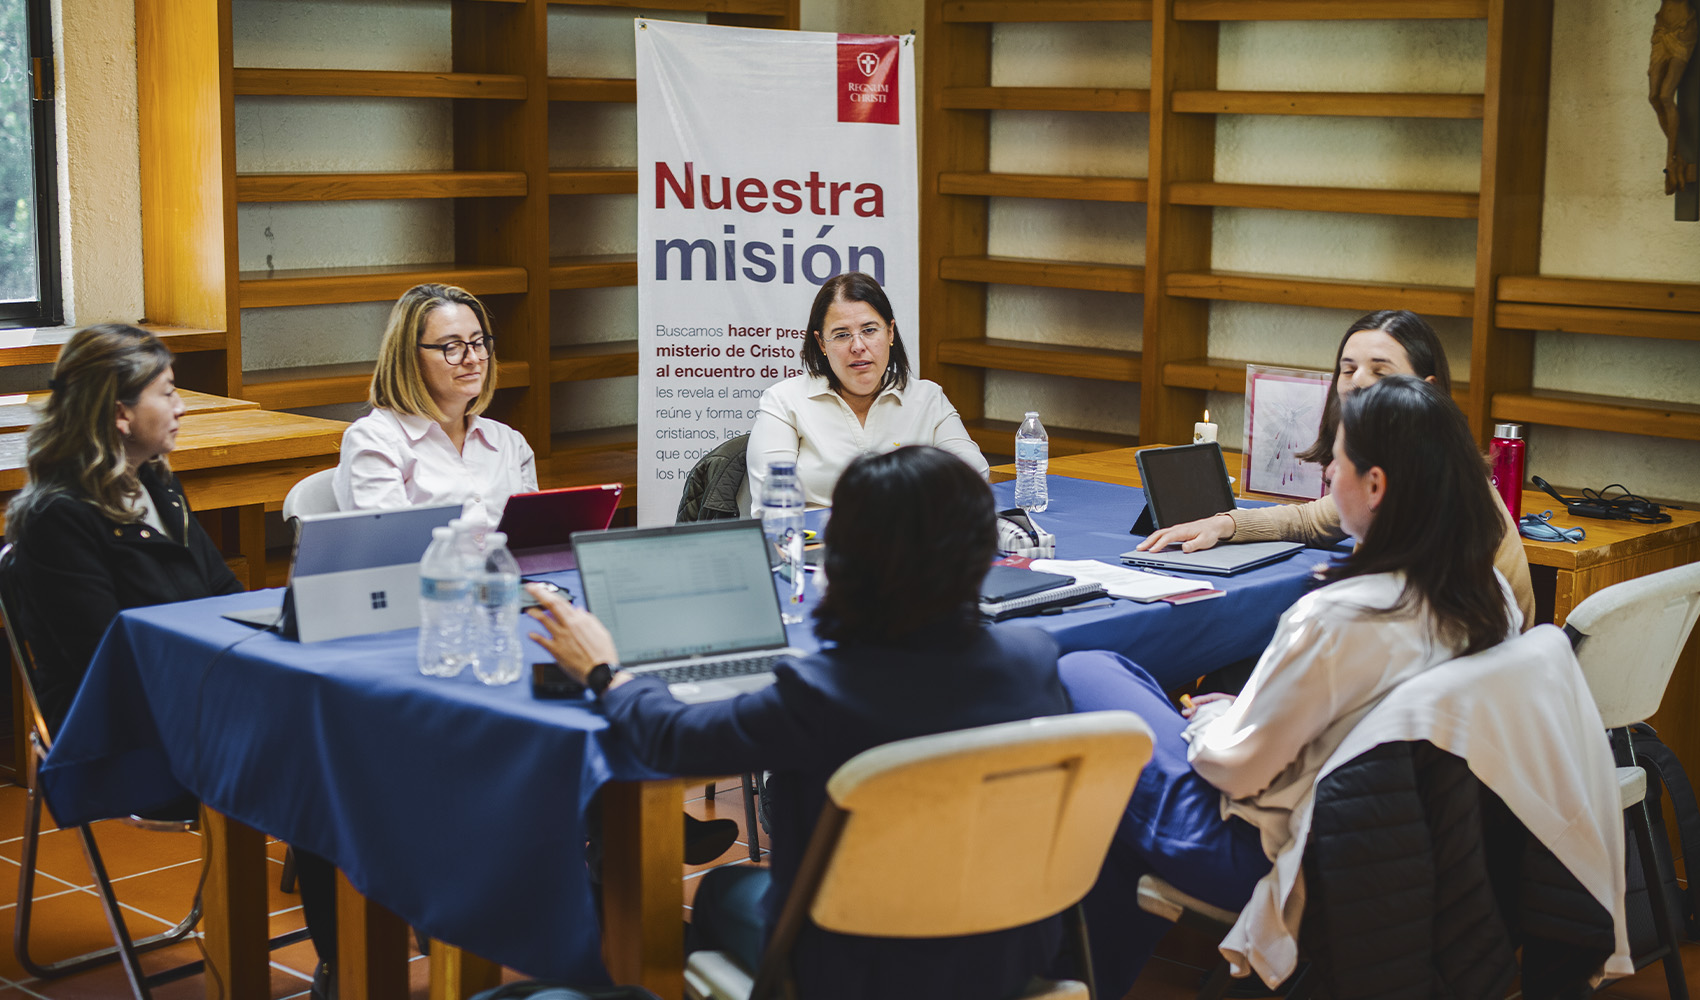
[1505,459]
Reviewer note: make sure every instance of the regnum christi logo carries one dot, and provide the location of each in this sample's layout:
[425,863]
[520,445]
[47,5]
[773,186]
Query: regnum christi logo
[867,78]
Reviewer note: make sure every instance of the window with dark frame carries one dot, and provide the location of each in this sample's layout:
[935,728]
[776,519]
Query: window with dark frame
[29,203]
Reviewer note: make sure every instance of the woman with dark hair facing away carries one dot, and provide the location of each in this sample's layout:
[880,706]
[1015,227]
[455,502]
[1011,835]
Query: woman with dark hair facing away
[424,441]
[1390,342]
[855,396]
[906,655]
[1211,809]
[102,526]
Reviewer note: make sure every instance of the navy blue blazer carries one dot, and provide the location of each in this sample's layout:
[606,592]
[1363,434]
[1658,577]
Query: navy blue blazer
[825,709]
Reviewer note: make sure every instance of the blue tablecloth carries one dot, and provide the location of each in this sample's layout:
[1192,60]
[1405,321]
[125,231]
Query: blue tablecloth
[459,807]
[1175,643]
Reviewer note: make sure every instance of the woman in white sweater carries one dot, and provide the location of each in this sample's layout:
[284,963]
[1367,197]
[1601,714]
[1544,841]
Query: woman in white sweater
[1421,588]
[856,396]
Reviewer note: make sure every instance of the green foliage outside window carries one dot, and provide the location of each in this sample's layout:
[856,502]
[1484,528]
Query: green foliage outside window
[17,165]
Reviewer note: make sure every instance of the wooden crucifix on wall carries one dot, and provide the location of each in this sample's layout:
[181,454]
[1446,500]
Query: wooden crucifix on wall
[1673,87]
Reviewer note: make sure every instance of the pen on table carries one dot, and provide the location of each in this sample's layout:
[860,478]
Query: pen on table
[1146,569]
[1079,607]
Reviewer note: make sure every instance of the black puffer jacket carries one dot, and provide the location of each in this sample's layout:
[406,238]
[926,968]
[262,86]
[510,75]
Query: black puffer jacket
[1420,883]
[711,489]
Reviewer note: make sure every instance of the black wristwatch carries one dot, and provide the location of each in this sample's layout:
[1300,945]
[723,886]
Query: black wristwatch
[599,678]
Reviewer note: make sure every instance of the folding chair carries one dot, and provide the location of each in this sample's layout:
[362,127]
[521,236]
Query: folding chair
[898,851]
[124,947]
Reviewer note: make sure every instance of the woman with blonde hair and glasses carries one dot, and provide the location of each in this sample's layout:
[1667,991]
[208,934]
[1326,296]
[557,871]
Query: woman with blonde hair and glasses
[424,441]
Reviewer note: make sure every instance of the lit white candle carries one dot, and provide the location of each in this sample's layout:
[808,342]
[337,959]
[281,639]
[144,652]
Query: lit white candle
[1204,430]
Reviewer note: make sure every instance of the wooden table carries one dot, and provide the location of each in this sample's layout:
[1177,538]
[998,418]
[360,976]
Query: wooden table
[643,893]
[1563,574]
[1118,465]
[231,456]
[20,411]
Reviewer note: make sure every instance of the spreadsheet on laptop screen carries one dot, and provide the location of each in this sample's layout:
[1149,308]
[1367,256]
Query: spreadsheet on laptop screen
[675,594]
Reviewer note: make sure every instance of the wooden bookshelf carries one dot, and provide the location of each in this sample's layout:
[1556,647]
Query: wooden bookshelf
[1277,102]
[1327,293]
[987,184]
[376,83]
[970,11]
[1286,197]
[1043,359]
[376,185]
[1328,10]
[1506,303]
[499,182]
[327,285]
[1043,273]
[1045,99]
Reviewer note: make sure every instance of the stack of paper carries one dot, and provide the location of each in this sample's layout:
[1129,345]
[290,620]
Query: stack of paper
[1122,581]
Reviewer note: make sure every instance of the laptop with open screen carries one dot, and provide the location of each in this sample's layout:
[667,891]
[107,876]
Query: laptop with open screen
[354,573]
[694,604]
[540,525]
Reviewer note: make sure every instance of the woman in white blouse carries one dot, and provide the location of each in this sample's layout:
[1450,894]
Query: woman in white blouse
[1211,808]
[424,441]
[856,396]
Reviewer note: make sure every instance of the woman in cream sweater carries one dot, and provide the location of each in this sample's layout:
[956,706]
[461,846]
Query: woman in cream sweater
[1390,342]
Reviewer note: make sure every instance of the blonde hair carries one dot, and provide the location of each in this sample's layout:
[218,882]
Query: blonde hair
[75,449]
[397,383]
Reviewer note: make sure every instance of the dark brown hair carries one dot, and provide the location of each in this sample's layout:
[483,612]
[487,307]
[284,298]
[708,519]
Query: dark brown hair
[76,448]
[853,286]
[912,534]
[1422,350]
[1437,523]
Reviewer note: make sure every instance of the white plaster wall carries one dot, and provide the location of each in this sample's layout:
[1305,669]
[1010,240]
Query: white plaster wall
[1606,212]
[1607,216]
[100,206]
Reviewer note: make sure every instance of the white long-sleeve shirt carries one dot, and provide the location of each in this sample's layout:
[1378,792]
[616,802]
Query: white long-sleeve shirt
[1330,662]
[392,460]
[803,420]
[1520,715]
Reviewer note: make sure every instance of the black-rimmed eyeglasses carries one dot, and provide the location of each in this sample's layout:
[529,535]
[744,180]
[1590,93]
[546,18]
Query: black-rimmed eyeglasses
[454,352]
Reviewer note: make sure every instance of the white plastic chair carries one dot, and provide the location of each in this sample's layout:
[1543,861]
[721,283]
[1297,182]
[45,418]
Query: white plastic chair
[903,847]
[312,495]
[1628,638]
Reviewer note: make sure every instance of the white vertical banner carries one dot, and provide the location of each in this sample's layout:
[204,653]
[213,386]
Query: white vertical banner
[768,162]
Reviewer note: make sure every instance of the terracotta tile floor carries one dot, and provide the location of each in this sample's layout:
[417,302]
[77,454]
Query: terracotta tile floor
[155,876]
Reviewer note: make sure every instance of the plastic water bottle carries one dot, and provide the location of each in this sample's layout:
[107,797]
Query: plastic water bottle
[497,658]
[445,606]
[782,522]
[1032,457]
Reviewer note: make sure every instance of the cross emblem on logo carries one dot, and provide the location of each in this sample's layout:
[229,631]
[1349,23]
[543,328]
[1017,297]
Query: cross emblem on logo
[380,600]
[867,62]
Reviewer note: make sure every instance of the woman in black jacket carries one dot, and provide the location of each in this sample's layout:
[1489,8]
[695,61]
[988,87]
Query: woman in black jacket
[102,524]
